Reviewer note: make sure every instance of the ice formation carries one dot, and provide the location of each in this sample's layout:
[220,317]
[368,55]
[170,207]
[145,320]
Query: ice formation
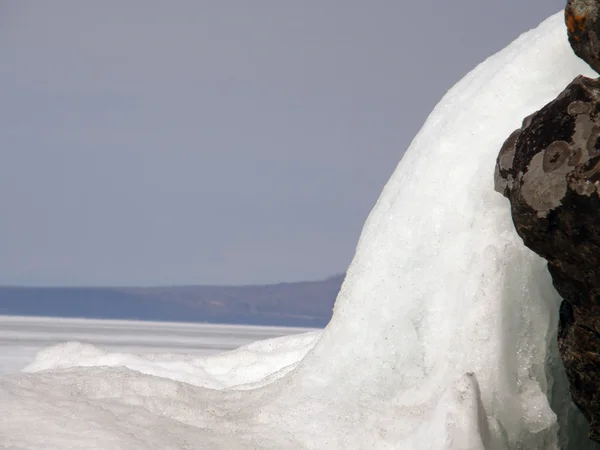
[244,368]
[443,334]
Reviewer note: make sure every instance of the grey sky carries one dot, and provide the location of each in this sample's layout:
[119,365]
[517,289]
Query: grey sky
[216,142]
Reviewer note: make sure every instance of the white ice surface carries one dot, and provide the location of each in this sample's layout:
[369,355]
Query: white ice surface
[243,368]
[443,335]
[21,338]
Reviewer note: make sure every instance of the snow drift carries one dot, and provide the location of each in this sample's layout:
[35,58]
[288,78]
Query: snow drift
[443,334]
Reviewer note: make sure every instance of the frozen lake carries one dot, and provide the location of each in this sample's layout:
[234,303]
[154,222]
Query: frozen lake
[22,337]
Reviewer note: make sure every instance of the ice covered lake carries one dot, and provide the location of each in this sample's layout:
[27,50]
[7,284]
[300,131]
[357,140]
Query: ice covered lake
[21,338]
[443,335]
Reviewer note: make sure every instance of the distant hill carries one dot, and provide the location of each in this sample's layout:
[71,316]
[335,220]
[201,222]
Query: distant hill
[306,304]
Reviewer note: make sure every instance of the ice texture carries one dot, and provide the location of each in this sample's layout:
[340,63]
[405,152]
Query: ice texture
[443,334]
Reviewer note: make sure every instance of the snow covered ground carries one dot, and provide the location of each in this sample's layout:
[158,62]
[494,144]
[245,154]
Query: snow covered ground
[443,335]
[21,338]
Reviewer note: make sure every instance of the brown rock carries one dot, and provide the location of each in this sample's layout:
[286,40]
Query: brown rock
[550,171]
[583,28]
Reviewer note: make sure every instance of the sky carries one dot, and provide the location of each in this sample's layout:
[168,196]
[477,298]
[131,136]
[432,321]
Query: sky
[192,142]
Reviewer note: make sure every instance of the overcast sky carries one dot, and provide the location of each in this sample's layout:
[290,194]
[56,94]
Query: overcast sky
[216,142]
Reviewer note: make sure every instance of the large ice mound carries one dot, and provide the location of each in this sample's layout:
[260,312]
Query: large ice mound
[443,335]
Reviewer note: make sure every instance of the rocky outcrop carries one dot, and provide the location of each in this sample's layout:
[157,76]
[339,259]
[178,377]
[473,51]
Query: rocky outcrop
[550,171]
[583,28]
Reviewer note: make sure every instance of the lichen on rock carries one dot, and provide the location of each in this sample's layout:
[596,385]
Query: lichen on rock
[557,150]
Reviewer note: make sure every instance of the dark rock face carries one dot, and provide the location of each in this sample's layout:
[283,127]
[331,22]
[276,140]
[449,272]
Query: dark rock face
[550,171]
[583,27]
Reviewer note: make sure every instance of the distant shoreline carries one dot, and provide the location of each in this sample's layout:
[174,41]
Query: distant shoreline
[301,304]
